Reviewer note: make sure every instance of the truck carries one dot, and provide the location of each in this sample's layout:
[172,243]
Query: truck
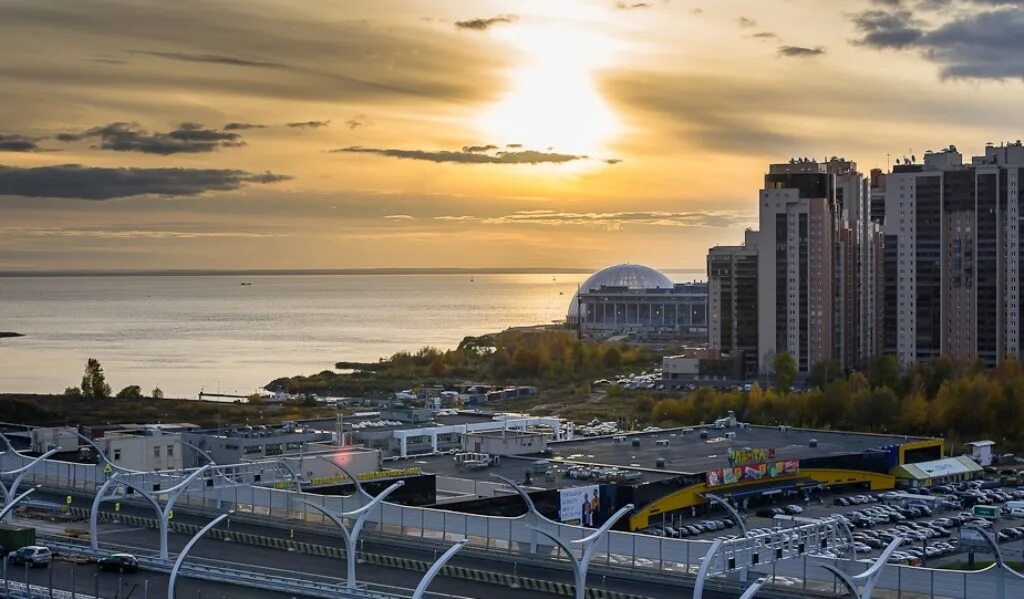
[14,537]
[988,512]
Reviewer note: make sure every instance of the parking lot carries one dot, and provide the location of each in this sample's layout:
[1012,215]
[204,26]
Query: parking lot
[931,533]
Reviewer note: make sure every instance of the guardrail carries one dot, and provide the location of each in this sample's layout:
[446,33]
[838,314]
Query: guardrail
[310,585]
[13,589]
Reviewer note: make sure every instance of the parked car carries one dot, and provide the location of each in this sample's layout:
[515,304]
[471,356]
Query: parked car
[33,555]
[118,562]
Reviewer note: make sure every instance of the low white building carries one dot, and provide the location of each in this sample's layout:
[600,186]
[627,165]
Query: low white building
[143,448]
[981,451]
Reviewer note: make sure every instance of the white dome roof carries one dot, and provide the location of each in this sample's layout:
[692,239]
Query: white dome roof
[631,276]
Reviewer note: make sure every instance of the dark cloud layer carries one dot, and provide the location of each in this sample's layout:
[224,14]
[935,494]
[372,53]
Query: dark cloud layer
[632,5]
[800,51]
[470,155]
[986,42]
[188,138]
[17,143]
[479,24]
[93,183]
[242,126]
[212,58]
[309,124]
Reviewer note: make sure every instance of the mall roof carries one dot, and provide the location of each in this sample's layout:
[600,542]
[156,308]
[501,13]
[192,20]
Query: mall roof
[686,453]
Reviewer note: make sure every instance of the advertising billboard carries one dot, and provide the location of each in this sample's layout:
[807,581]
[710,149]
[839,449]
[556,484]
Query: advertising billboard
[741,457]
[581,505]
[751,472]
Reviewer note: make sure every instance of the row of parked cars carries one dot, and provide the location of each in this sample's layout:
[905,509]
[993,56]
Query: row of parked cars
[769,512]
[689,530]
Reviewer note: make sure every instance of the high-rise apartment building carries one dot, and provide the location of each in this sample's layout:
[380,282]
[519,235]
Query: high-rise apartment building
[808,282]
[953,277]
[732,301]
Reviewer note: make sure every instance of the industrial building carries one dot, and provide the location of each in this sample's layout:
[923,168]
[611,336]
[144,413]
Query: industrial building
[636,300]
[670,471]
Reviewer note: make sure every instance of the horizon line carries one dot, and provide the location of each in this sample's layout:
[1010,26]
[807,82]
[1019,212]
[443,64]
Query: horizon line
[204,272]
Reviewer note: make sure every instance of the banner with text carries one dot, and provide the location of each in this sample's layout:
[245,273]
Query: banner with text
[751,472]
[580,505]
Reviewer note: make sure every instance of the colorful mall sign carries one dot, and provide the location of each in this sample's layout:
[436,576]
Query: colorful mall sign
[751,472]
[740,457]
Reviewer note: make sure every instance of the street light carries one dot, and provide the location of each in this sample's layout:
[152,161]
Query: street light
[870,576]
[580,566]
[188,547]
[1000,562]
[163,513]
[436,568]
[351,537]
[19,475]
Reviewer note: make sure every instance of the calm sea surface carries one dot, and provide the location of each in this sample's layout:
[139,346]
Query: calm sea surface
[187,334]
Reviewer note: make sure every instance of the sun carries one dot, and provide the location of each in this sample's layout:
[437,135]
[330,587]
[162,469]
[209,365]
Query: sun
[552,101]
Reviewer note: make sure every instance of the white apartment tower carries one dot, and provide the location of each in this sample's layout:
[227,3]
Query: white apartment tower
[958,258]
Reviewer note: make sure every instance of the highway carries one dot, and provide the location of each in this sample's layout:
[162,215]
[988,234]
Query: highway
[923,581]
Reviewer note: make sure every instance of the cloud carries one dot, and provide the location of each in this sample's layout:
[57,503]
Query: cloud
[765,35]
[746,22]
[472,149]
[466,157]
[479,24]
[614,220]
[800,51]
[400,217]
[133,233]
[632,5]
[212,58]
[188,138]
[882,29]
[613,160]
[513,145]
[983,43]
[242,126]
[95,183]
[18,143]
[357,122]
[309,124]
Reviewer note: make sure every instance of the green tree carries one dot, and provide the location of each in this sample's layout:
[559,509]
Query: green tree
[823,373]
[612,357]
[784,368]
[884,371]
[73,392]
[130,392]
[158,393]
[94,382]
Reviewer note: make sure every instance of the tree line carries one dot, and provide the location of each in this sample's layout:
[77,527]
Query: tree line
[94,386]
[943,398]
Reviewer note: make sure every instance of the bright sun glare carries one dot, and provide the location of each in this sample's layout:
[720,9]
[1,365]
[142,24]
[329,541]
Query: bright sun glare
[552,101]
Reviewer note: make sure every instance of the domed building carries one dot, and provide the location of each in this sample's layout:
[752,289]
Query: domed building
[632,299]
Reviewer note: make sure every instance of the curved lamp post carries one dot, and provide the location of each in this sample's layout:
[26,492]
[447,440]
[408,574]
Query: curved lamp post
[729,508]
[10,504]
[580,566]
[436,568]
[869,577]
[1000,563]
[188,547]
[352,536]
[19,475]
[359,486]
[531,508]
[163,513]
[754,588]
[705,565]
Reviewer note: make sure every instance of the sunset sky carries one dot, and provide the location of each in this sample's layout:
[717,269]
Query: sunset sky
[457,133]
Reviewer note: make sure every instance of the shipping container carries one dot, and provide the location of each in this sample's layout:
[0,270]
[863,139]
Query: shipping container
[15,537]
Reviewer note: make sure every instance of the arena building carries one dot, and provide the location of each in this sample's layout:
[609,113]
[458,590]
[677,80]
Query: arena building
[631,299]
